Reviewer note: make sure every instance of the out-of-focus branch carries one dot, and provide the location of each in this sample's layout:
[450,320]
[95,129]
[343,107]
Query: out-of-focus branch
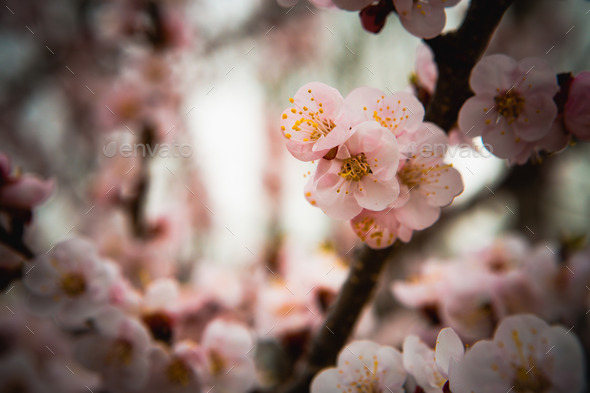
[13,239]
[456,53]
[136,204]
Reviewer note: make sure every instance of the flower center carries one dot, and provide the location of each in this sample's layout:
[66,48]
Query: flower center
[314,123]
[413,174]
[529,381]
[355,167]
[178,372]
[367,379]
[121,352]
[315,126]
[510,105]
[73,284]
[217,362]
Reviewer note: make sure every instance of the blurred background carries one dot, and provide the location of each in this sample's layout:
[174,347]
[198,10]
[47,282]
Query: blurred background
[158,122]
[80,79]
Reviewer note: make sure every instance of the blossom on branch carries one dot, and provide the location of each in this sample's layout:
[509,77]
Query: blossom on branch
[119,350]
[364,366]
[71,281]
[314,125]
[513,106]
[362,175]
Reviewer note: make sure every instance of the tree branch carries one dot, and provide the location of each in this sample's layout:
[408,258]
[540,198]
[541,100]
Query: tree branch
[456,53]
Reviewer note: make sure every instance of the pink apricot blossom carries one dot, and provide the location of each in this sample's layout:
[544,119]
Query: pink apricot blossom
[119,350]
[449,347]
[227,348]
[365,366]
[71,281]
[577,110]
[173,370]
[400,112]
[314,124]
[423,18]
[525,355]
[513,105]
[362,175]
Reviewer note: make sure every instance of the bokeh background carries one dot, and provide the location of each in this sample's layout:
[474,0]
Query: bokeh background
[203,83]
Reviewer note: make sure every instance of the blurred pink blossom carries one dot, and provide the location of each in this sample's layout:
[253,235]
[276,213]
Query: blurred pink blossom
[365,365]
[119,350]
[227,348]
[70,281]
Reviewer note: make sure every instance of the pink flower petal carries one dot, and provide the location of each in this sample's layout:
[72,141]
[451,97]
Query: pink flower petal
[536,118]
[448,346]
[374,194]
[417,213]
[376,229]
[493,75]
[477,115]
[537,77]
[336,137]
[419,362]
[444,185]
[503,143]
[420,18]
[475,373]
[26,192]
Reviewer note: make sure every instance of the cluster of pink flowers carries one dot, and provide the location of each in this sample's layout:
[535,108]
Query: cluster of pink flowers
[472,292]
[514,110]
[131,339]
[380,165]
[525,355]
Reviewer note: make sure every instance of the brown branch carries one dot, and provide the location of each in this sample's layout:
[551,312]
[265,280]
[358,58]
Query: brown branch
[456,53]
[13,239]
[136,204]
